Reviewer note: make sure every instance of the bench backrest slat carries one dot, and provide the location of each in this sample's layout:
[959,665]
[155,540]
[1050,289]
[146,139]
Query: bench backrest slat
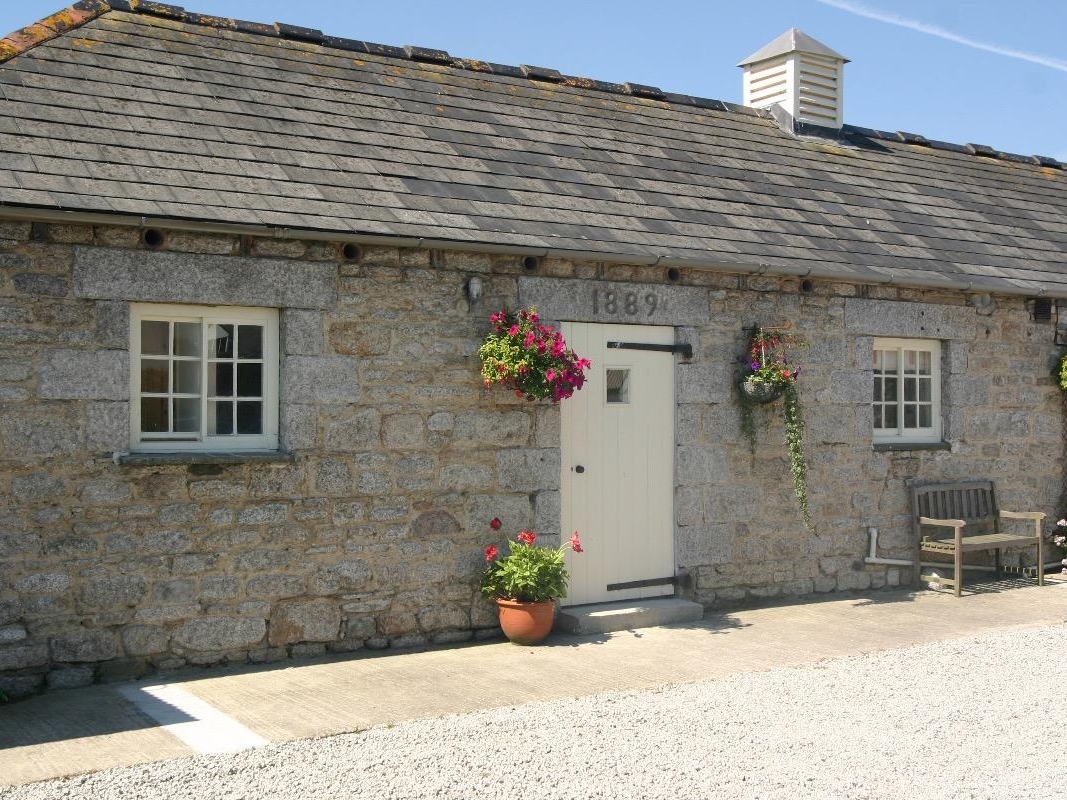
[972,501]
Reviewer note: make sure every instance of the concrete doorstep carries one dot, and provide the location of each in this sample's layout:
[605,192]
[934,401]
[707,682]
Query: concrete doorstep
[626,615]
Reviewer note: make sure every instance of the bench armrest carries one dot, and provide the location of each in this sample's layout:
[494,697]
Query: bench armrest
[947,523]
[1035,515]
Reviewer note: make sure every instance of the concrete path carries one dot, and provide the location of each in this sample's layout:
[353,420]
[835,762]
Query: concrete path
[83,730]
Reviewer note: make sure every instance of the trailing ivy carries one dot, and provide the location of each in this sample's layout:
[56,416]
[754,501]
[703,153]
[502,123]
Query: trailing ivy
[794,440]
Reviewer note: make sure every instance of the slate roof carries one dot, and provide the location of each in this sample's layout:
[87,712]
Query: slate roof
[165,114]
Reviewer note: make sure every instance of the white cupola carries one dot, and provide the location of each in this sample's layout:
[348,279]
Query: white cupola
[802,76]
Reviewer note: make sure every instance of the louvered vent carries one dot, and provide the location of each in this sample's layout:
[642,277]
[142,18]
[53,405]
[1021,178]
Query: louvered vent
[803,76]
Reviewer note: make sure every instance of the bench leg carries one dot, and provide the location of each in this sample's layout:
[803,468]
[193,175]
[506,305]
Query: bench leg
[959,572]
[1040,558]
[999,566]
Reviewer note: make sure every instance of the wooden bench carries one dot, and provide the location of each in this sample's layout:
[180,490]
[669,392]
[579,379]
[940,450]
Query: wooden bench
[970,510]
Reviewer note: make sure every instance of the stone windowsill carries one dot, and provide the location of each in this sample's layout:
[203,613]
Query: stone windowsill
[882,447]
[206,457]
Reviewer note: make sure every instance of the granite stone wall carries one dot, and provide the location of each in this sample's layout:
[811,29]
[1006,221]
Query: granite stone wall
[366,531]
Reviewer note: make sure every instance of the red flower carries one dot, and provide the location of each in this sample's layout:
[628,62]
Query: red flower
[490,553]
[495,523]
[527,537]
[576,545]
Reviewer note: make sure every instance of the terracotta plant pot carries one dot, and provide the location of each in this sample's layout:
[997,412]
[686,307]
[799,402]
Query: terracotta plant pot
[525,623]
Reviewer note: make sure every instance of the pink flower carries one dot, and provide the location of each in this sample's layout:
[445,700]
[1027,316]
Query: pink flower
[550,375]
[527,537]
[490,553]
[513,330]
[529,340]
[575,544]
[495,523]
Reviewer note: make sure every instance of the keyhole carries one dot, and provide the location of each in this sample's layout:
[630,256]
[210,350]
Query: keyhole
[579,469]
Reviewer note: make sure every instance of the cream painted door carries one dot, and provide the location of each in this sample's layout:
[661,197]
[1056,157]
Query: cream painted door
[618,464]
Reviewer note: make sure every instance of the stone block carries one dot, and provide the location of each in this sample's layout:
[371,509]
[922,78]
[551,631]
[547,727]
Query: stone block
[111,592]
[403,432]
[107,427]
[36,487]
[158,277]
[54,583]
[23,655]
[528,469]
[344,576]
[9,634]
[333,478]
[43,430]
[704,544]
[169,542]
[319,379]
[436,524]
[83,646]
[217,587]
[84,375]
[547,513]
[70,677]
[698,465]
[304,621]
[271,586]
[357,339]
[358,429]
[161,615]
[297,427]
[173,592]
[614,302]
[104,492]
[348,511]
[442,617]
[466,476]
[441,421]
[112,324]
[301,332]
[220,633]
[264,514]
[909,320]
[480,429]
[704,382]
[40,284]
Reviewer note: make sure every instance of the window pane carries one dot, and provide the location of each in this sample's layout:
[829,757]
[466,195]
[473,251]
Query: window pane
[909,361]
[877,416]
[187,415]
[891,417]
[250,417]
[909,416]
[186,338]
[924,389]
[890,361]
[154,337]
[187,377]
[154,375]
[154,417]
[618,385]
[924,362]
[220,380]
[220,341]
[249,380]
[877,388]
[221,423]
[891,389]
[249,341]
[924,416]
[909,388]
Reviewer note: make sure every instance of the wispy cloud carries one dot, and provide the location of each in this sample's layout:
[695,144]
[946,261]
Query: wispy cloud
[933,30]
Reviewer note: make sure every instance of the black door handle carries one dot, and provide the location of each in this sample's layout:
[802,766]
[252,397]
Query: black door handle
[579,469]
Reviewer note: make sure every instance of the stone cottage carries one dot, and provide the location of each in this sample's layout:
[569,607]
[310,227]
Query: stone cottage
[245,270]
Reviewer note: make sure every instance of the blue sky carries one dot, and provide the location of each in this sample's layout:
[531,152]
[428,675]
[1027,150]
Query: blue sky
[982,71]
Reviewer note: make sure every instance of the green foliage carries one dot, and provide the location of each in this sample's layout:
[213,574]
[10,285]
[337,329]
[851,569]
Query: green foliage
[765,369]
[1062,372]
[528,573]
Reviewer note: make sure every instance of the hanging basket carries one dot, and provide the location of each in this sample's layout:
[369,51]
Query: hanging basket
[760,392]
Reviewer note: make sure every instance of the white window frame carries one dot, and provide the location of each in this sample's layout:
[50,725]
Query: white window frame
[206,316]
[903,434]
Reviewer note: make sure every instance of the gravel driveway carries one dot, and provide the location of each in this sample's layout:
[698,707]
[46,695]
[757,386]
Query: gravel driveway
[971,718]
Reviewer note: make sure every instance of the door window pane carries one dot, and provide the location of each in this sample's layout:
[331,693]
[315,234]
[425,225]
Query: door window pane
[618,385]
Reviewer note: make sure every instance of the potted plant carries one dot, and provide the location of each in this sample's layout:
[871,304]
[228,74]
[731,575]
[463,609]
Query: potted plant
[529,358]
[764,377]
[526,583]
